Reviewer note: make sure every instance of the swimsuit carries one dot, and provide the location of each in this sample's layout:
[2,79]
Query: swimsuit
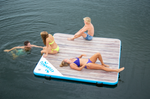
[56,49]
[19,52]
[89,61]
[77,62]
[88,37]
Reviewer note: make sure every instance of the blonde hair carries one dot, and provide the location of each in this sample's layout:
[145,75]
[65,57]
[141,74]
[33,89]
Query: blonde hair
[63,64]
[44,35]
[87,19]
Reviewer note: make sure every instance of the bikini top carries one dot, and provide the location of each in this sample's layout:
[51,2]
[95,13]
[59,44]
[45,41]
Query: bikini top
[77,62]
[51,42]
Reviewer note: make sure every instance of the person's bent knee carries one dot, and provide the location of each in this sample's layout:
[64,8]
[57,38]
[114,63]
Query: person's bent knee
[98,53]
[42,52]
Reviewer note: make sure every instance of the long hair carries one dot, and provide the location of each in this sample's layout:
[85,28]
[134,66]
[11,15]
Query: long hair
[44,35]
[63,64]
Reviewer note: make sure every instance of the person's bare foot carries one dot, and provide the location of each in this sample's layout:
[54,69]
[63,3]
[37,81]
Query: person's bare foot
[121,69]
[70,39]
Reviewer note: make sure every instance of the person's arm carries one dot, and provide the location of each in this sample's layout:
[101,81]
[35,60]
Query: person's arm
[74,66]
[7,50]
[36,46]
[82,55]
[82,30]
[79,33]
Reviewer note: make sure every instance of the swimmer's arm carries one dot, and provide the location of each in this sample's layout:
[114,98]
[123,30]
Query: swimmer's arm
[7,50]
[74,66]
[82,55]
[36,46]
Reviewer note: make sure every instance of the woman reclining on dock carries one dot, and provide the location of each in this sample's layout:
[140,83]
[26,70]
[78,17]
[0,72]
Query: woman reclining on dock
[79,63]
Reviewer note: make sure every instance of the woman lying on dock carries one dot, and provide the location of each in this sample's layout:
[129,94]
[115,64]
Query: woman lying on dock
[79,63]
[51,46]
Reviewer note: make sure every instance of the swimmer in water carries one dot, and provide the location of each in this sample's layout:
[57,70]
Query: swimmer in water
[27,47]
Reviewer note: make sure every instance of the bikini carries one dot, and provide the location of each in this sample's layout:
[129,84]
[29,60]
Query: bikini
[56,49]
[77,62]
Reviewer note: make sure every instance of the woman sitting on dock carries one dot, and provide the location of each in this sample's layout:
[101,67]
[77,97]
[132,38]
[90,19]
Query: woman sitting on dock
[79,63]
[51,46]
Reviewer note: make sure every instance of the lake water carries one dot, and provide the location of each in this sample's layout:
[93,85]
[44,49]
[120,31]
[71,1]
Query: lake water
[21,20]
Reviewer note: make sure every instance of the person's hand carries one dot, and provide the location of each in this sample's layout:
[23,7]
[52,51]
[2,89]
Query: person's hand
[6,50]
[83,54]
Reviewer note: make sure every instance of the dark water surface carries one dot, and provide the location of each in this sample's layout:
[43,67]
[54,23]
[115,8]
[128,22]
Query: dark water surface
[127,20]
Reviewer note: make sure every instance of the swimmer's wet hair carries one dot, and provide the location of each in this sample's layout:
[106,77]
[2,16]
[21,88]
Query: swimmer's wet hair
[26,43]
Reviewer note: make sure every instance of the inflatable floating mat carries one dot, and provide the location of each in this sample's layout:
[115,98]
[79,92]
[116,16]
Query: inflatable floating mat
[109,48]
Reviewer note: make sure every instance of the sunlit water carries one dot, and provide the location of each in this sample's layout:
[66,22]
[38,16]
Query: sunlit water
[21,20]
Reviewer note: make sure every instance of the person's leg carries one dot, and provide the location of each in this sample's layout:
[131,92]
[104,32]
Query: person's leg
[97,66]
[13,54]
[44,50]
[49,51]
[53,52]
[98,56]
[83,34]
[77,35]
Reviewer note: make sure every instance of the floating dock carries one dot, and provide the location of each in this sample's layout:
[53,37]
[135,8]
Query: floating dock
[109,48]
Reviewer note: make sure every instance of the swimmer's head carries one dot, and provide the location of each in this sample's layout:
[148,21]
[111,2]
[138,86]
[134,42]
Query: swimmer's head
[44,35]
[27,45]
[87,20]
